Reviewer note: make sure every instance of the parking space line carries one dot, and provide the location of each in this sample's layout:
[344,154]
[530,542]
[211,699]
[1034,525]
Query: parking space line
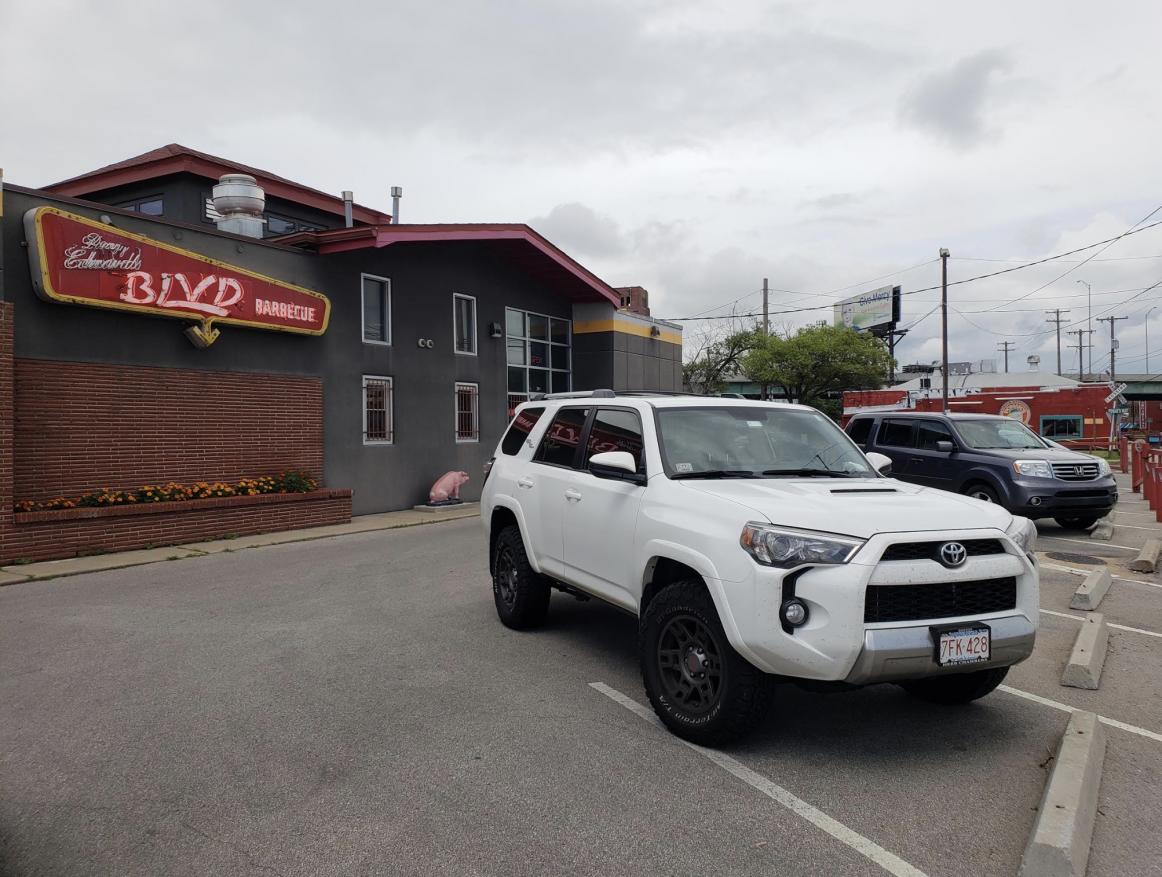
[890,862]
[1085,572]
[1090,542]
[1064,707]
[1133,527]
[1108,623]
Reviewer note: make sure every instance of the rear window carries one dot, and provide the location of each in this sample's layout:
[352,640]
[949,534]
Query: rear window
[560,442]
[859,430]
[519,430]
[895,434]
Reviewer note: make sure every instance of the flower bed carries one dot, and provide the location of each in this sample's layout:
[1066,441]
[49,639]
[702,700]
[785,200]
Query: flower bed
[286,482]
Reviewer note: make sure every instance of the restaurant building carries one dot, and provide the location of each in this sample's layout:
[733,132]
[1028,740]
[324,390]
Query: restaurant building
[178,317]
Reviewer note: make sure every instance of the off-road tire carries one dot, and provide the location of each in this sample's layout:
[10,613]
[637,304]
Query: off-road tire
[1077,522]
[982,492]
[742,693]
[956,687]
[520,593]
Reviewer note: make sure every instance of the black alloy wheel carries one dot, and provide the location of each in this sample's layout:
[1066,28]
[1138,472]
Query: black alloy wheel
[520,593]
[690,664]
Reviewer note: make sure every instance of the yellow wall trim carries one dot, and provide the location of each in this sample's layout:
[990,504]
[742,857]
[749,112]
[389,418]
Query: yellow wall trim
[626,327]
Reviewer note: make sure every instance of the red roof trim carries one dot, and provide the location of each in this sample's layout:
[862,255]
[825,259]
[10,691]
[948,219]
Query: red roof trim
[174,159]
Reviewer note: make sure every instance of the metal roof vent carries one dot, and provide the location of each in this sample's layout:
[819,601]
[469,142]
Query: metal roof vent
[1034,362]
[240,201]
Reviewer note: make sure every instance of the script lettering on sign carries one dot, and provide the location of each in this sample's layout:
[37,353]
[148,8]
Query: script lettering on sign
[77,260]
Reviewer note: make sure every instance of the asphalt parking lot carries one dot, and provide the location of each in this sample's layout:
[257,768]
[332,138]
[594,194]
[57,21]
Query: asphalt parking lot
[352,706]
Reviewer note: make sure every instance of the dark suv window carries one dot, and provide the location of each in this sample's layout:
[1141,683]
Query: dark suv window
[559,445]
[859,430]
[521,426]
[929,432]
[895,434]
[616,430]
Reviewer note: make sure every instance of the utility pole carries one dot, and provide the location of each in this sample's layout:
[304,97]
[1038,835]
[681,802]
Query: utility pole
[1081,345]
[1006,346]
[1113,346]
[766,309]
[944,323]
[1057,319]
[1089,323]
[1147,325]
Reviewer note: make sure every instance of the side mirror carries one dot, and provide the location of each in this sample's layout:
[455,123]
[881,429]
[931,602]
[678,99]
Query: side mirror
[945,447]
[882,462]
[616,465]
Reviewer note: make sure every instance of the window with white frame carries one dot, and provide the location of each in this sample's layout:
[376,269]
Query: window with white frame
[467,412]
[538,353]
[376,309]
[378,418]
[464,318]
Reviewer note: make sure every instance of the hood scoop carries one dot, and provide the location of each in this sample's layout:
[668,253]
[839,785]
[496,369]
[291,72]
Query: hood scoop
[864,490]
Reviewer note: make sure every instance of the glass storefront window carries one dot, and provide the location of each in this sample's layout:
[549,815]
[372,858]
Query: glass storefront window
[537,352]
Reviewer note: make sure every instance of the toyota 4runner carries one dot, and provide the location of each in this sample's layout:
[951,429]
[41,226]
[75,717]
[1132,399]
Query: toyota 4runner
[755,543]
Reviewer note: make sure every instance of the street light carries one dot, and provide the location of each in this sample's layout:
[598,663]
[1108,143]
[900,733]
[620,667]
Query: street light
[1089,325]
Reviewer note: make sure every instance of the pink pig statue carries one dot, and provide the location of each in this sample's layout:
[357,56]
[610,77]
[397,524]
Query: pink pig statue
[447,488]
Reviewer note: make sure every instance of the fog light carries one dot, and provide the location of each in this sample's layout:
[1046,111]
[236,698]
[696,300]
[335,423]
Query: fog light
[794,612]
[1036,500]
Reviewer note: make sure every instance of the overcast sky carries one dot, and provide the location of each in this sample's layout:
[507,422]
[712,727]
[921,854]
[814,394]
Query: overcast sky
[689,147]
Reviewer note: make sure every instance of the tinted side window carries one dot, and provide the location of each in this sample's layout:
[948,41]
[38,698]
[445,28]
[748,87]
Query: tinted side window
[559,445]
[859,430]
[521,426]
[895,434]
[929,432]
[616,430]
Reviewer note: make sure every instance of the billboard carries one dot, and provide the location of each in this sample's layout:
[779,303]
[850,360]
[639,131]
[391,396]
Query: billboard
[877,310]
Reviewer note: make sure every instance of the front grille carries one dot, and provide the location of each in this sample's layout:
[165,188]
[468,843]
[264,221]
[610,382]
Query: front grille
[1081,494]
[939,600]
[1075,471]
[931,550]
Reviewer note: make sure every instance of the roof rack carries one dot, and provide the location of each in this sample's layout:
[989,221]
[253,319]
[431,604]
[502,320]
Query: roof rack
[608,394]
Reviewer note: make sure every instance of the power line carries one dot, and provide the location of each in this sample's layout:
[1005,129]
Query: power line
[1131,231]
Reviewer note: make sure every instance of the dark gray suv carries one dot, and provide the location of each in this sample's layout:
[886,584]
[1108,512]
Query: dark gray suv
[996,459]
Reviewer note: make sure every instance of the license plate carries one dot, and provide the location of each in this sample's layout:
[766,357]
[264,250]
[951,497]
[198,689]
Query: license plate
[963,645]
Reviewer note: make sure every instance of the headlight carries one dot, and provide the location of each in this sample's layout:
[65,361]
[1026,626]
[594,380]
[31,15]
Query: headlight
[1034,468]
[1023,532]
[1103,468]
[775,546]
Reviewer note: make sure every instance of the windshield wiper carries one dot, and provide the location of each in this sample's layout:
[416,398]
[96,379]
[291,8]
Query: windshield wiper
[716,473]
[808,473]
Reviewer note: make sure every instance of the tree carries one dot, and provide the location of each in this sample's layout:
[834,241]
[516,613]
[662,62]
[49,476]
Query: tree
[818,360]
[718,358]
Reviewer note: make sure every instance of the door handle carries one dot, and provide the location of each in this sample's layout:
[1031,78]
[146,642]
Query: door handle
[573,495]
[525,482]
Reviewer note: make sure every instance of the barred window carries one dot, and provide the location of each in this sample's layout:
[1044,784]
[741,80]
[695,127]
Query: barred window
[467,413]
[378,420]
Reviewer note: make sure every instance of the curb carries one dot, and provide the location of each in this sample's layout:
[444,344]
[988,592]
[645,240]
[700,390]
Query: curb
[1088,655]
[1089,594]
[1147,558]
[1063,830]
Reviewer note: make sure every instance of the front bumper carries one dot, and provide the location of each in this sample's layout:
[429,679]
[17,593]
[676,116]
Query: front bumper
[896,653]
[1051,497]
[837,644]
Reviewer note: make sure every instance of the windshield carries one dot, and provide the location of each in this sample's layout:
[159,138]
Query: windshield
[1006,433]
[754,442]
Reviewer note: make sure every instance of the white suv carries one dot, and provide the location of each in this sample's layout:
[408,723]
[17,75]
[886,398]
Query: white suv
[755,543]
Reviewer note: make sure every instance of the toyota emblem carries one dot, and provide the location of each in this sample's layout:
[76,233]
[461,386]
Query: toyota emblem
[953,554]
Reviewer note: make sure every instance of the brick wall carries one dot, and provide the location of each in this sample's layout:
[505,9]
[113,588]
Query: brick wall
[57,534]
[85,426]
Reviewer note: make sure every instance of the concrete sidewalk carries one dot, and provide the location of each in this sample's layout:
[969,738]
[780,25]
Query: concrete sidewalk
[49,569]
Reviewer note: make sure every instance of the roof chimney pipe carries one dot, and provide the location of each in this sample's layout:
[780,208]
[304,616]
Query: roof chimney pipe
[348,207]
[240,201]
[396,194]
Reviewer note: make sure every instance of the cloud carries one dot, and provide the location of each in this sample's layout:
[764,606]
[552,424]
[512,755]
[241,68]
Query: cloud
[831,202]
[578,229]
[954,104]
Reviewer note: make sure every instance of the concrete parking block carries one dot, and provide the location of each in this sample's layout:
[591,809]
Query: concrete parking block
[1089,654]
[1103,530]
[1059,844]
[1147,559]
[1091,591]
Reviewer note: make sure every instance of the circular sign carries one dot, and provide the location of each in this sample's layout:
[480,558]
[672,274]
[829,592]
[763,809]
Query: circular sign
[1017,410]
